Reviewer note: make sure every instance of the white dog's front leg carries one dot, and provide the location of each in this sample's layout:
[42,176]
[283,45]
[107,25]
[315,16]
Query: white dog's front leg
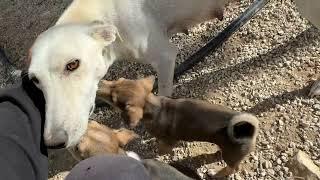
[165,72]
[164,64]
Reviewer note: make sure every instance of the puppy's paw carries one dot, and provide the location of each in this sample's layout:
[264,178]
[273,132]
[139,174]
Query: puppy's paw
[125,136]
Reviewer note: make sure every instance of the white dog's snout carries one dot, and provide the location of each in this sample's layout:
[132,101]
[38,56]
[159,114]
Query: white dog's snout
[55,138]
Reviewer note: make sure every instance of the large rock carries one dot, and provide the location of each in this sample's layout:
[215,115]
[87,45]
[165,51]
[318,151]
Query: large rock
[302,166]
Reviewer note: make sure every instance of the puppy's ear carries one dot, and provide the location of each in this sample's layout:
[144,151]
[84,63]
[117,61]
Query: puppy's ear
[148,83]
[106,34]
[104,89]
[135,114]
[125,136]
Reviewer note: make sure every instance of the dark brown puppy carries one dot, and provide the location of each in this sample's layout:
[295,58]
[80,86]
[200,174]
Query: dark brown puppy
[172,120]
[100,139]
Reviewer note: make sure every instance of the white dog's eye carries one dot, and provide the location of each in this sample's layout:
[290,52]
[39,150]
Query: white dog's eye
[73,65]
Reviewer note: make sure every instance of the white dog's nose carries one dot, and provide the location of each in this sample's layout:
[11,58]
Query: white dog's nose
[55,139]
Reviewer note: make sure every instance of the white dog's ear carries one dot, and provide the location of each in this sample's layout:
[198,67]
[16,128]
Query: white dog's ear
[104,33]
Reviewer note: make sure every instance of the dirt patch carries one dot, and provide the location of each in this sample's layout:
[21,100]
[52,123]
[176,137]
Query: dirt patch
[22,21]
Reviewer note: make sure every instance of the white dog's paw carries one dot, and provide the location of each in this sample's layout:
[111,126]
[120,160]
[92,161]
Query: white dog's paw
[315,89]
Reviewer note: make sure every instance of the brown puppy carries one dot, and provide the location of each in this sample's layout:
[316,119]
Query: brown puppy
[127,95]
[171,120]
[100,139]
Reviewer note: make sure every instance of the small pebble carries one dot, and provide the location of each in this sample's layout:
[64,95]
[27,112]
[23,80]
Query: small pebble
[279,161]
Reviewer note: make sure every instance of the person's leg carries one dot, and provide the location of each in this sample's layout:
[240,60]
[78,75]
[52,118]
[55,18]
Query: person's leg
[109,167]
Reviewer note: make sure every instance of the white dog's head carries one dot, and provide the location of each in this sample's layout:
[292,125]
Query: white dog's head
[66,63]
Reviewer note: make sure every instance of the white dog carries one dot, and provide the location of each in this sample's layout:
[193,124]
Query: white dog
[68,60]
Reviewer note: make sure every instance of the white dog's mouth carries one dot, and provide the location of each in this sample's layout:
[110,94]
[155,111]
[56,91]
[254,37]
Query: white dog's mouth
[58,146]
[57,140]
[67,134]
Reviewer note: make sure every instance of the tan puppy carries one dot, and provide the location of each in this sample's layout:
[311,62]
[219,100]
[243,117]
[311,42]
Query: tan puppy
[171,120]
[100,139]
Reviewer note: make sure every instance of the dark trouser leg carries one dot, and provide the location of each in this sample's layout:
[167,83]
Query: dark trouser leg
[113,167]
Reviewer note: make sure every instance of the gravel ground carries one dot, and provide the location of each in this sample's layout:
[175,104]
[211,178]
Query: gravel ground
[266,68]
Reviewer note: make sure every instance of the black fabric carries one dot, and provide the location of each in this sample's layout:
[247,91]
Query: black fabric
[38,100]
[22,151]
[109,167]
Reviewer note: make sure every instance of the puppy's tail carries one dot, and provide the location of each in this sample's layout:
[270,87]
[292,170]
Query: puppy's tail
[243,128]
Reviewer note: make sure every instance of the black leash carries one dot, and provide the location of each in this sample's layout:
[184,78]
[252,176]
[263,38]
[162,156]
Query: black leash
[223,36]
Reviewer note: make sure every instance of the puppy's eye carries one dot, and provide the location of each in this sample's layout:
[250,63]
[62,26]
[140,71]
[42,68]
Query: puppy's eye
[35,80]
[73,65]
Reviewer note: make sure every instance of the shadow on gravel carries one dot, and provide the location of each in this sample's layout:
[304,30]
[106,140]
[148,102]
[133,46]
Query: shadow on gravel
[198,161]
[271,102]
[222,77]
[60,161]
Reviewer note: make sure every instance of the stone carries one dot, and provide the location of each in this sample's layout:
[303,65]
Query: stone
[267,164]
[271,172]
[316,106]
[211,172]
[238,177]
[301,165]
[280,122]
[279,161]
[304,124]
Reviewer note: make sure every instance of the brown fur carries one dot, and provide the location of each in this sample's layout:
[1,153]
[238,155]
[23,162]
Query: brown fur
[172,120]
[127,99]
[100,139]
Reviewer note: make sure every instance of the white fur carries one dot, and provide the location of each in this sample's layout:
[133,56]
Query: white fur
[69,96]
[244,117]
[133,155]
[144,26]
